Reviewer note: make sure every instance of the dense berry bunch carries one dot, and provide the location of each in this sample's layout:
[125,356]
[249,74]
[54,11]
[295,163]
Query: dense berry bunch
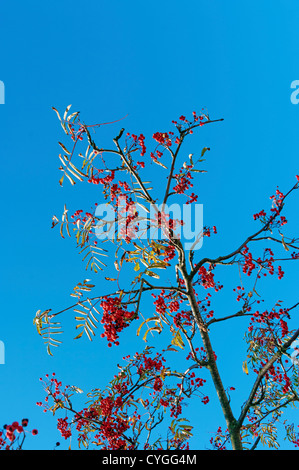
[64,427]
[115,318]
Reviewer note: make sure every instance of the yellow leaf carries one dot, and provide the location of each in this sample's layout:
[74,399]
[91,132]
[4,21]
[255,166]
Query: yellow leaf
[256,292]
[56,113]
[79,335]
[154,328]
[177,340]
[146,321]
[283,243]
[64,148]
[245,367]
[152,274]
[137,267]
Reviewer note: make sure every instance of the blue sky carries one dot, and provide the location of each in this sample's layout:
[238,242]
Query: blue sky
[153,61]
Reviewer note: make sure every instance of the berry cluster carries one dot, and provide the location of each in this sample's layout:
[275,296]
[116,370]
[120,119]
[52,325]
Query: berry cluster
[110,417]
[137,141]
[13,435]
[183,181]
[115,318]
[207,279]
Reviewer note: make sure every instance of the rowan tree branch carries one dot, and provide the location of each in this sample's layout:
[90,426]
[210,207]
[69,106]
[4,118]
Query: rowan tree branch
[262,374]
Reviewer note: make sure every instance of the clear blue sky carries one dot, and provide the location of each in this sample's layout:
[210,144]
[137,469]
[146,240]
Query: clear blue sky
[154,61]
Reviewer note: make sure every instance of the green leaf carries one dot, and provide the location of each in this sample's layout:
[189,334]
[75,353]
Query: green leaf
[204,151]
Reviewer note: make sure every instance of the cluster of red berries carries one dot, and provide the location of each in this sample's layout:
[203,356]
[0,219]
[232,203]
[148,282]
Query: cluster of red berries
[155,155]
[183,181]
[169,253]
[260,214]
[78,135]
[206,278]
[164,302]
[64,427]
[148,365]
[196,381]
[196,118]
[163,138]
[201,351]
[207,231]
[105,181]
[205,400]
[11,433]
[115,318]
[138,140]
[248,265]
[192,198]
[183,318]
